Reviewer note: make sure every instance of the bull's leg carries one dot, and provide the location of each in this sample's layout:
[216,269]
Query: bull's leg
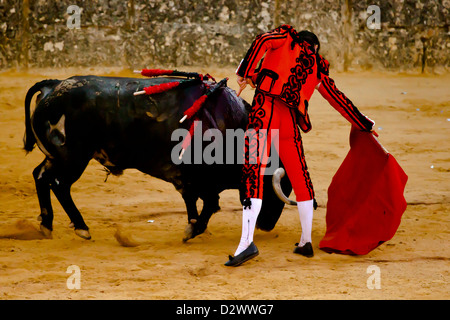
[64,177]
[59,177]
[190,199]
[210,206]
[43,193]
[61,190]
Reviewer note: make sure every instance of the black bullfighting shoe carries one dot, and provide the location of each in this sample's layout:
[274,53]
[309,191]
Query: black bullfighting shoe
[306,250]
[247,254]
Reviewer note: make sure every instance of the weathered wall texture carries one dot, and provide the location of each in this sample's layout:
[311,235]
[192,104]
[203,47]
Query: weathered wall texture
[161,33]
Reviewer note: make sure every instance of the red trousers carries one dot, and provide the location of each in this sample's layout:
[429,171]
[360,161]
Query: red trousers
[273,121]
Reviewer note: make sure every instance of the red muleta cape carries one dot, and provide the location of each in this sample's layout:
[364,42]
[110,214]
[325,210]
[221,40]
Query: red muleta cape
[365,198]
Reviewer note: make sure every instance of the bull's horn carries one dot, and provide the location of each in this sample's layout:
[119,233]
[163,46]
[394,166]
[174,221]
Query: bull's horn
[137,93]
[278,174]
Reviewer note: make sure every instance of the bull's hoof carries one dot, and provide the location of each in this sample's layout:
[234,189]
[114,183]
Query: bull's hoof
[188,232]
[39,218]
[193,229]
[71,225]
[83,234]
[46,232]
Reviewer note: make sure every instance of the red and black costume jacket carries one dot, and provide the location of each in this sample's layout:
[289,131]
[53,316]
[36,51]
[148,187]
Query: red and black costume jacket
[291,70]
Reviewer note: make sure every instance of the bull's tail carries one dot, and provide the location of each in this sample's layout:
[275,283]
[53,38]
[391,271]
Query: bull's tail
[29,140]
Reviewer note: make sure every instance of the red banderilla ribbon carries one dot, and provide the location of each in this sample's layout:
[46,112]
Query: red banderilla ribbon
[200,101]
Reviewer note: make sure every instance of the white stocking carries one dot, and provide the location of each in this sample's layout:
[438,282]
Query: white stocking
[249,217]
[305,211]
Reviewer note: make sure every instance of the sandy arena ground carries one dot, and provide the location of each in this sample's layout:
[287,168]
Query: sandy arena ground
[413,119]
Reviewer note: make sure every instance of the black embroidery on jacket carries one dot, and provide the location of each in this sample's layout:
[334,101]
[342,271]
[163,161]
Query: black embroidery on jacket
[290,93]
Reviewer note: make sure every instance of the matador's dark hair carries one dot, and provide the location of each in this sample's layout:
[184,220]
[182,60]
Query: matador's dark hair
[309,37]
[300,37]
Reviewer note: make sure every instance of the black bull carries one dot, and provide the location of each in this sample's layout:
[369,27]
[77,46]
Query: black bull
[89,117]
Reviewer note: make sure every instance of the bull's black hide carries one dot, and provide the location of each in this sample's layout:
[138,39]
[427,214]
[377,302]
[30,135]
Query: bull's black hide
[86,117]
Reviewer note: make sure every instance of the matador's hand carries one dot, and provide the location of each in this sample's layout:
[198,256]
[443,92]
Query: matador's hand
[242,82]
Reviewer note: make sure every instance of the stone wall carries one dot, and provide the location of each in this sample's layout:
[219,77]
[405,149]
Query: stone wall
[164,33]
